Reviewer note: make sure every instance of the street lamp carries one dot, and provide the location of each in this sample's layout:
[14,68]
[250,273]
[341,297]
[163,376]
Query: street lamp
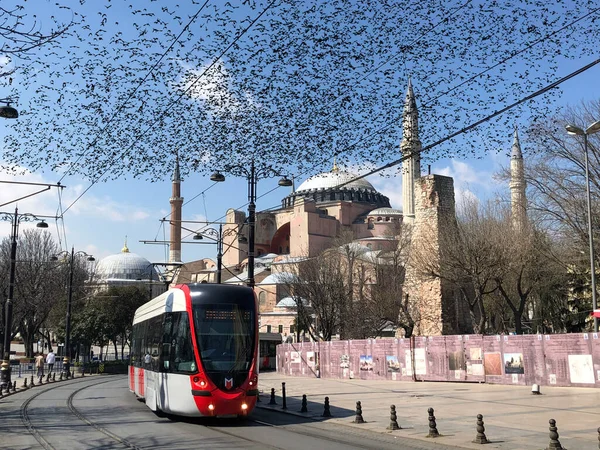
[7,111]
[593,128]
[15,218]
[218,236]
[67,355]
[252,176]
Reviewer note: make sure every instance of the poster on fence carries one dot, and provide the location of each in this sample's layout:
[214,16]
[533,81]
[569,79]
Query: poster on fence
[581,369]
[393,365]
[493,363]
[513,363]
[366,363]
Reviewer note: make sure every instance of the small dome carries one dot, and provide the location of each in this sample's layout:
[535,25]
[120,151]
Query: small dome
[328,180]
[385,212]
[125,266]
[290,302]
[279,278]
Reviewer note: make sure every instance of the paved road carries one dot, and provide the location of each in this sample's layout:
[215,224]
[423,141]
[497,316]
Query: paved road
[514,418]
[100,413]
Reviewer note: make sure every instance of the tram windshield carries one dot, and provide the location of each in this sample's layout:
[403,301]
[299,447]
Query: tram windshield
[225,336]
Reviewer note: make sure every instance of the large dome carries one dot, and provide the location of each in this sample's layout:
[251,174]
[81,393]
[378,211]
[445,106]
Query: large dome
[125,266]
[335,178]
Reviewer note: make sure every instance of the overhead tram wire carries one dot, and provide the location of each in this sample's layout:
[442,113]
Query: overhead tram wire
[122,154]
[427,101]
[139,85]
[473,125]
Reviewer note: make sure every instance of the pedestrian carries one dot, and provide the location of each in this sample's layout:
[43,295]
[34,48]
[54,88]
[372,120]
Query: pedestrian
[50,360]
[39,365]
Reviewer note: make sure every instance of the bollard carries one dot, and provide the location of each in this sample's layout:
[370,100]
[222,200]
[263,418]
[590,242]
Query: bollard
[433,432]
[25,383]
[73,374]
[1,393]
[283,396]
[554,442]
[32,383]
[393,419]
[358,418]
[48,378]
[326,411]
[304,404]
[54,376]
[60,377]
[15,386]
[480,438]
[272,401]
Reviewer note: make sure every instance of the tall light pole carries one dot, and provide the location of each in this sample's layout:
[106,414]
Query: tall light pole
[252,176]
[217,236]
[15,218]
[67,355]
[593,128]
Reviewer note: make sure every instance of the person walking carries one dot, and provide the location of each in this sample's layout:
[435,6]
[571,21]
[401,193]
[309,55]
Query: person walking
[39,365]
[50,359]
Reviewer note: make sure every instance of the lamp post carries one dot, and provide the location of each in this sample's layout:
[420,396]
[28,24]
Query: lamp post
[15,219]
[218,236]
[593,128]
[67,355]
[252,176]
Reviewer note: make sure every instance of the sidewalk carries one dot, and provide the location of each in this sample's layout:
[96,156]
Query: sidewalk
[514,418]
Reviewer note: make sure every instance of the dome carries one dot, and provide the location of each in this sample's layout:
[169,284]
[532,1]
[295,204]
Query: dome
[125,266]
[328,180]
[290,302]
[385,212]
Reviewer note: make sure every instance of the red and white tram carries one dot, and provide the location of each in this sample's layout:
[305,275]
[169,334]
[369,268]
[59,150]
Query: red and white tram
[194,351]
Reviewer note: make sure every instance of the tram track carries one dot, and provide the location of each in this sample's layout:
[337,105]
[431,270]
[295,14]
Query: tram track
[25,418]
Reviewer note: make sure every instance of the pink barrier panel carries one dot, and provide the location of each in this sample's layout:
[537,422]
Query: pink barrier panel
[558,359]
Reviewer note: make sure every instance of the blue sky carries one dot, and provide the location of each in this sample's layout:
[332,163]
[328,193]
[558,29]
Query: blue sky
[110,212]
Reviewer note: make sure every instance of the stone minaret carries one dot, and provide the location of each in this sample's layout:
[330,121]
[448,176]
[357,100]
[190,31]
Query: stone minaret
[517,185]
[411,167]
[176,201]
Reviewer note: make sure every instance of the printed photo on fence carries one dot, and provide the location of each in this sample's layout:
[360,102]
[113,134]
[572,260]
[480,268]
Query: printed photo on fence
[456,360]
[513,363]
[581,369]
[392,363]
[344,361]
[366,362]
[493,363]
[295,357]
[475,353]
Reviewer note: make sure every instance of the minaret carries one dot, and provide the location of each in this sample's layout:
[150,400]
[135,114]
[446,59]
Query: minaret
[176,201]
[518,200]
[411,166]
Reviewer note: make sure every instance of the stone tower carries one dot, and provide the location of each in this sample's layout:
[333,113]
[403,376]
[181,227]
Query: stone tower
[410,148]
[176,201]
[518,201]
[437,303]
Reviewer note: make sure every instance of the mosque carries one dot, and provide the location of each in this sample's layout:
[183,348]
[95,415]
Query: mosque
[312,216]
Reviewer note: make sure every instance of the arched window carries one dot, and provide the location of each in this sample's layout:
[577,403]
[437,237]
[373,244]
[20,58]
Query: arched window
[370,225]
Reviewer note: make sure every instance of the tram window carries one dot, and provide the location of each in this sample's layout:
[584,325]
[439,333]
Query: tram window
[181,354]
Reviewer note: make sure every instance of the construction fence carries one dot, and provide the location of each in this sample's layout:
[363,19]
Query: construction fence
[551,360]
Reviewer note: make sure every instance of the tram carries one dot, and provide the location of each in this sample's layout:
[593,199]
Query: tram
[194,351]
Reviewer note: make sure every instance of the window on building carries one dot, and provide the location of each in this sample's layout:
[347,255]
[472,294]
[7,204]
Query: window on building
[281,328]
[292,329]
[370,225]
[268,328]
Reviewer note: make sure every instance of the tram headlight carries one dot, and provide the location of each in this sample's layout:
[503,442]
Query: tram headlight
[253,380]
[211,407]
[244,407]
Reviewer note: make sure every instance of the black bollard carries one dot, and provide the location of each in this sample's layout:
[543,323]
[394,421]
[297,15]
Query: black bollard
[554,442]
[359,417]
[433,432]
[32,383]
[48,378]
[60,377]
[304,404]
[54,376]
[25,383]
[283,396]
[393,419]
[480,438]
[15,386]
[326,411]
[272,401]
